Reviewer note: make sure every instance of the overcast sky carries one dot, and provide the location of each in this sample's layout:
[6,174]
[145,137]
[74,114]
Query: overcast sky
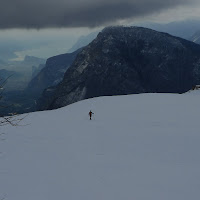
[45,28]
[79,13]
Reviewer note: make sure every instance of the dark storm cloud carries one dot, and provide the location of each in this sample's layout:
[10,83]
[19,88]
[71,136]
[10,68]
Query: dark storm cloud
[76,13]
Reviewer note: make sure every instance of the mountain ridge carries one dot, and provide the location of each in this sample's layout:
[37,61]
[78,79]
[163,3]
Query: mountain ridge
[52,73]
[129,60]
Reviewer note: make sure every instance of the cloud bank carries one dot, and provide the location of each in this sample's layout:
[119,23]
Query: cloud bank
[77,13]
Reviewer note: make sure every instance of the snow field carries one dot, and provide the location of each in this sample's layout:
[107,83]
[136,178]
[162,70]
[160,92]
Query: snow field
[137,147]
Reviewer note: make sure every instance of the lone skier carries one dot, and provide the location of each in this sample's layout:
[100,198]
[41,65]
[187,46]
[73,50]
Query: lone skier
[90,114]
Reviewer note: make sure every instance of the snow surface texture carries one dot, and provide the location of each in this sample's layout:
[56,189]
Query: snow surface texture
[137,147]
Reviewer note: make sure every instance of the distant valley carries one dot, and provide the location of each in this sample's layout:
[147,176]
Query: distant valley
[17,75]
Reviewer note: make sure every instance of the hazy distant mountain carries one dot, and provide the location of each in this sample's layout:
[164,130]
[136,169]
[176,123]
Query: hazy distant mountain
[23,69]
[19,74]
[184,29]
[129,60]
[83,41]
[4,74]
[196,37]
[51,74]
[34,60]
[25,65]
[36,70]
[14,80]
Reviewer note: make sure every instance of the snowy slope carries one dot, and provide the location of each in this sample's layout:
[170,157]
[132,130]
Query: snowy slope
[138,147]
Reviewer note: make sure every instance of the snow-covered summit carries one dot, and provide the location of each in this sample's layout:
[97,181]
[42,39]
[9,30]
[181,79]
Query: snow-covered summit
[136,147]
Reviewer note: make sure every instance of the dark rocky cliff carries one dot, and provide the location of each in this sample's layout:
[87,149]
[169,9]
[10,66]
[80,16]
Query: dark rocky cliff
[129,60]
[51,74]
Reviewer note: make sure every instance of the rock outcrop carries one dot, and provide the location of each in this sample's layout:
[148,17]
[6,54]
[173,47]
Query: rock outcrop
[129,60]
